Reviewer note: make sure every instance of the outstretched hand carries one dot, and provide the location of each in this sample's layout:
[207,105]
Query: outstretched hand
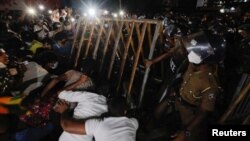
[61,106]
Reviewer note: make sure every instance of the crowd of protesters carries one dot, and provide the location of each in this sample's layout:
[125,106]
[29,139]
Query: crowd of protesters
[43,98]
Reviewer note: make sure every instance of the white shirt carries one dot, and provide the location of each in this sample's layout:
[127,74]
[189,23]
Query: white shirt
[89,105]
[112,129]
[34,71]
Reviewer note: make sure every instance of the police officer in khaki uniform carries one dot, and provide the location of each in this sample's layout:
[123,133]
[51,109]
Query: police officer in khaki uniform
[198,91]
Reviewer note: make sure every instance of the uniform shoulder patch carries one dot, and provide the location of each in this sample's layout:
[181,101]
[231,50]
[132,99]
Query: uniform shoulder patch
[211,96]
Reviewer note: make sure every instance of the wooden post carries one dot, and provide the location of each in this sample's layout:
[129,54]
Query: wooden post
[149,35]
[80,44]
[151,53]
[75,36]
[141,39]
[98,41]
[106,46]
[125,54]
[132,42]
[89,41]
[246,120]
[139,35]
[115,49]
[234,105]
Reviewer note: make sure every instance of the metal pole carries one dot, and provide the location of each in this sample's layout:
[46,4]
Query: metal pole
[115,49]
[120,4]
[151,53]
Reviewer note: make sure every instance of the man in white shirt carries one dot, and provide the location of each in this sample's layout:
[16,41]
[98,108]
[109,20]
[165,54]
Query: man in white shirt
[115,126]
[88,105]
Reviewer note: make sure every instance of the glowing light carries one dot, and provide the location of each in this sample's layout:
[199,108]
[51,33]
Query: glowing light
[106,12]
[245,0]
[50,11]
[232,8]
[73,19]
[222,10]
[115,15]
[41,7]
[121,13]
[31,11]
[92,12]
[85,14]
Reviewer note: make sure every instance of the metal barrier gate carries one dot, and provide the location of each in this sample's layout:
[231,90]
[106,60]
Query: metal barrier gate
[239,109]
[124,38]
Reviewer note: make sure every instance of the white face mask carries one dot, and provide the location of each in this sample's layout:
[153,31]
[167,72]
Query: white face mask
[55,65]
[194,58]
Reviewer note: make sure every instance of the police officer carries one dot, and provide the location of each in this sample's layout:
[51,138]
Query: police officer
[198,91]
[173,52]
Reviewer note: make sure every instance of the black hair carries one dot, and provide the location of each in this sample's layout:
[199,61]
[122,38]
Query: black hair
[47,40]
[61,19]
[117,107]
[60,36]
[46,57]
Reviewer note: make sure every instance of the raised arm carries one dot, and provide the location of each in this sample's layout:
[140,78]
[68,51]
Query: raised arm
[69,124]
[161,57]
[74,85]
[52,83]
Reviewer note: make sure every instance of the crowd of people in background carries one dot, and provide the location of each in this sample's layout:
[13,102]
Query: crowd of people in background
[43,98]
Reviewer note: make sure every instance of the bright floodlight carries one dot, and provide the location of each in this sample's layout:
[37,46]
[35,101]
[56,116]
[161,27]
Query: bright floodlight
[85,14]
[41,7]
[72,19]
[31,11]
[222,10]
[121,13]
[115,15]
[50,11]
[105,12]
[92,12]
[232,8]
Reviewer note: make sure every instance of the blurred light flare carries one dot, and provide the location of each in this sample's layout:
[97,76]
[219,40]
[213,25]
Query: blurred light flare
[31,11]
[41,7]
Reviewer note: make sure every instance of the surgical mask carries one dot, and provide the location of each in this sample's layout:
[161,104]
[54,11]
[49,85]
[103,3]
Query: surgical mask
[55,65]
[194,58]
